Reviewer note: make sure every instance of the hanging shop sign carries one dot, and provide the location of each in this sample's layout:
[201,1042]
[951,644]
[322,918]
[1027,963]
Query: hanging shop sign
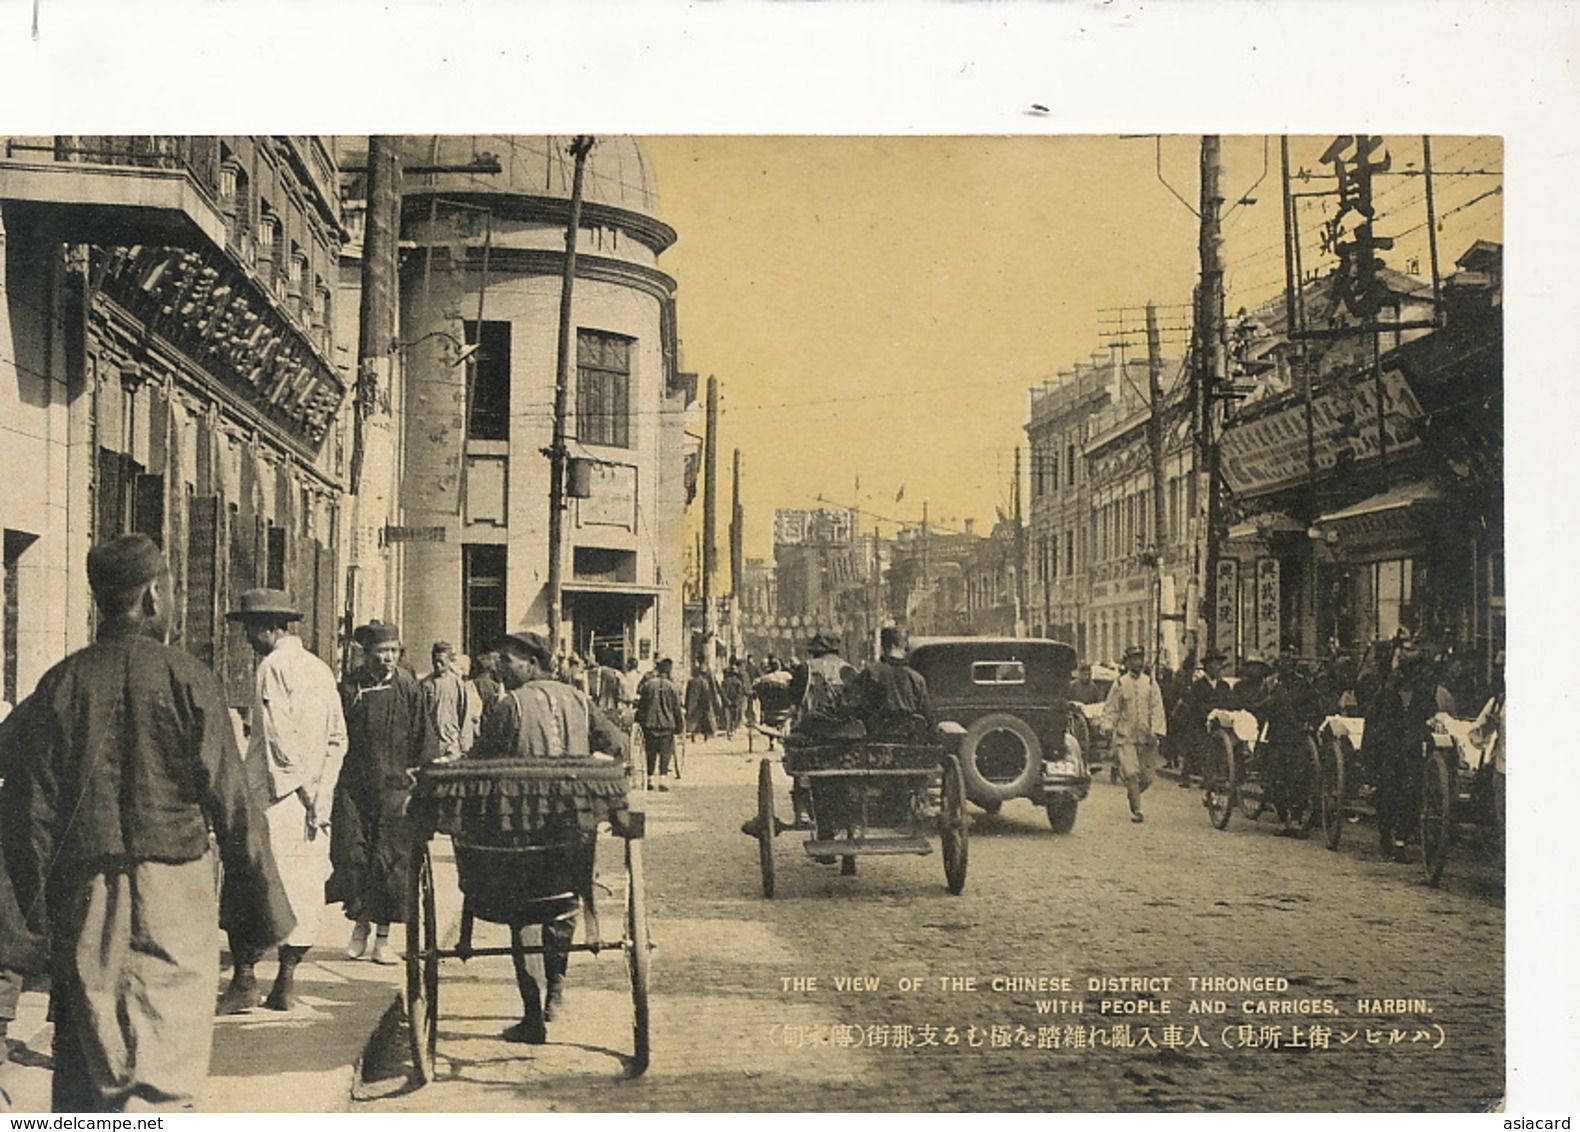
[1269,599]
[1269,452]
[1225,596]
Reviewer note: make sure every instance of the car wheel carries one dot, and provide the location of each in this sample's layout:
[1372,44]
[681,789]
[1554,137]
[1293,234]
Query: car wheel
[1000,757]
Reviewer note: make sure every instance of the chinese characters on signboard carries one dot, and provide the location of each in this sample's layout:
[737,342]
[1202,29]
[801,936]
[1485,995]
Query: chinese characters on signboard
[1225,595]
[1268,599]
[797,527]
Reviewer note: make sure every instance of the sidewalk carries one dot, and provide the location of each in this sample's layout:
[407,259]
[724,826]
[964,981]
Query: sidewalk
[305,1060]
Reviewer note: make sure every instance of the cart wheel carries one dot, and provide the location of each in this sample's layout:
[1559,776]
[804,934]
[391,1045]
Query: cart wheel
[636,954]
[767,827]
[952,824]
[1218,790]
[1061,813]
[1437,826]
[1331,788]
[1251,793]
[638,758]
[422,965]
[1313,799]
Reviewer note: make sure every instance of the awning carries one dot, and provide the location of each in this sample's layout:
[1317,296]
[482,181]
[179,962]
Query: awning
[1396,498]
[1269,522]
[618,589]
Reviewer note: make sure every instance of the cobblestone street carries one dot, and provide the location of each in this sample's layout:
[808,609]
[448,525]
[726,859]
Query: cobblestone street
[1169,899]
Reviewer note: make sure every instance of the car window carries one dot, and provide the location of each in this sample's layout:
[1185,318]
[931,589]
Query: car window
[998,672]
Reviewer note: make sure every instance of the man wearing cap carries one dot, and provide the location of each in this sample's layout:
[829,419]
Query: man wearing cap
[293,761]
[1133,716]
[818,687]
[449,703]
[540,717]
[1206,694]
[661,717]
[117,769]
[389,734]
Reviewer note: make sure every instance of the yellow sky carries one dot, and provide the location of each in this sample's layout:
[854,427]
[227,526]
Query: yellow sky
[877,307]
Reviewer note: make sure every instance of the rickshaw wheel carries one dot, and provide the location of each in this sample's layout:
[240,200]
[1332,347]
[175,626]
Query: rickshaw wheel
[1313,800]
[767,827]
[1218,790]
[1332,774]
[636,954]
[952,825]
[422,965]
[1437,827]
[638,758]
[1251,804]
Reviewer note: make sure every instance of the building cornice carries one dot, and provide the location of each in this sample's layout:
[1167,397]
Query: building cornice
[553,211]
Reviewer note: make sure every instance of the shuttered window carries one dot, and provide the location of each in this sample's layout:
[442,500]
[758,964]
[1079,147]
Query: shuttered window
[603,389]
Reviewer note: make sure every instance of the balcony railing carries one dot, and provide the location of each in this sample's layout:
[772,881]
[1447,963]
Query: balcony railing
[197,157]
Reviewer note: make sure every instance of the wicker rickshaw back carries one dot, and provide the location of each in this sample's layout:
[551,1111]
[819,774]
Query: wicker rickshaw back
[524,830]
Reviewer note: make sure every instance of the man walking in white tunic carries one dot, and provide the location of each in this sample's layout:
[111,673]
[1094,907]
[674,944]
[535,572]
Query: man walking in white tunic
[1133,715]
[292,764]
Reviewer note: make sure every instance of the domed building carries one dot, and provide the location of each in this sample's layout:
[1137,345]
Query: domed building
[482,258]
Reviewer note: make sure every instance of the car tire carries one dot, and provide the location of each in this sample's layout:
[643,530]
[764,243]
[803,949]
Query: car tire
[981,789]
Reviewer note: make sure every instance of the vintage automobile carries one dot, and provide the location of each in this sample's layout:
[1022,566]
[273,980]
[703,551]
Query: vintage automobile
[1012,697]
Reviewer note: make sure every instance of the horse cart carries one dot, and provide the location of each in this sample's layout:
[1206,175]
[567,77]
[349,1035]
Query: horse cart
[859,796]
[526,833]
[1239,771]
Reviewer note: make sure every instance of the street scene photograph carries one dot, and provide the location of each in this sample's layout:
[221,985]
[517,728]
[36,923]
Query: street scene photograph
[850,623]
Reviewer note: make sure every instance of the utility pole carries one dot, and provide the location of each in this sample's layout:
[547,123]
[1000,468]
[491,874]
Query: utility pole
[1020,553]
[710,513]
[375,375]
[557,452]
[737,554]
[1210,362]
[1155,445]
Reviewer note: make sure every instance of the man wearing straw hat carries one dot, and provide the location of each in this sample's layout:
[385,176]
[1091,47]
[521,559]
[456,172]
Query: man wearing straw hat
[293,761]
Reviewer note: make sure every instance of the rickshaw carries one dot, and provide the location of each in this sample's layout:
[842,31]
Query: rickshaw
[772,693]
[1462,786]
[1236,774]
[863,796]
[525,834]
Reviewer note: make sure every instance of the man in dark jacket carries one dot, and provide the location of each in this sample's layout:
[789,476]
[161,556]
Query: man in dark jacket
[116,769]
[891,695]
[659,713]
[1206,693]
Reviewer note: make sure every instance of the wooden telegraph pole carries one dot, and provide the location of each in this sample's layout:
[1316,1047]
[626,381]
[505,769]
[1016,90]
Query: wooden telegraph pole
[1210,369]
[557,452]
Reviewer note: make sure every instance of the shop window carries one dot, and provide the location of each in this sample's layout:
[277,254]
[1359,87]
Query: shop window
[488,399]
[1392,596]
[603,389]
[483,567]
[597,564]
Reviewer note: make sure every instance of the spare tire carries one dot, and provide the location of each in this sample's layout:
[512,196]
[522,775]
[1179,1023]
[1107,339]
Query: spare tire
[1000,758]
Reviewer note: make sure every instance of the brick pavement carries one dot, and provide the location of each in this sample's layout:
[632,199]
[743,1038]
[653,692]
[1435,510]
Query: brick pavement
[1170,898]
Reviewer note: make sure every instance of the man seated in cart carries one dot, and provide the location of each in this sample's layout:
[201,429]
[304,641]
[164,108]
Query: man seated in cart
[891,696]
[540,717]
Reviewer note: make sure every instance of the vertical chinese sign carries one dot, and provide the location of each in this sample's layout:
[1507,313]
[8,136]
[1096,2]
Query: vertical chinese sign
[1268,603]
[1225,596]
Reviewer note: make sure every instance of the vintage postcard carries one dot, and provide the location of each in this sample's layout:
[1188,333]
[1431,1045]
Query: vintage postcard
[989,608]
